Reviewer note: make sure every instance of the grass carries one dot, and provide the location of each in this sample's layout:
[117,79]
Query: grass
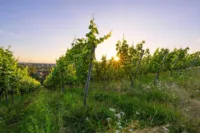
[109,109]
[48,111]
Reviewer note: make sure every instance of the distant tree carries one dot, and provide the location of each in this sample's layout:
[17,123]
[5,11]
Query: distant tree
[130,58]
[157,61]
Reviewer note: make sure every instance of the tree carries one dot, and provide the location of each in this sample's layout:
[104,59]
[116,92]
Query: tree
[92,42]
[13,78]
[64,73]
[178,59]
[145,64]
[130,58]
[157,62]
[76,65]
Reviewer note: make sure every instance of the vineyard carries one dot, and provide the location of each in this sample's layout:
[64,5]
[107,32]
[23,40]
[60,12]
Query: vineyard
[136,91]
[13,79]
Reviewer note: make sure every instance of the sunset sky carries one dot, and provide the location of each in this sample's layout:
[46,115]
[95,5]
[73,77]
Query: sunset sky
[42,30]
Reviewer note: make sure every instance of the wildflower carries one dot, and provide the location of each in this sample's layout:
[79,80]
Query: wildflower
[148,87]
[108,119]
[118,115]
[117,131]
[119,123]
[137,113]
[122,113]
[184,132]
[120,127]
[111,109]
[87,119]
[187,109]
[130,130]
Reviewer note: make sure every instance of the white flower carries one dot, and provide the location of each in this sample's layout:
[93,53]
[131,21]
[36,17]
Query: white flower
[87,119]
[122,113]
[108,119]
[118,115]
[137,113]
[130,130]
[111,109]
[187,109]
[148,87]
[120,127]
[117,131]
[184,132]
[119,123]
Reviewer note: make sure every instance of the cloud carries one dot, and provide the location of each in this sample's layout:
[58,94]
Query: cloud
[8,33]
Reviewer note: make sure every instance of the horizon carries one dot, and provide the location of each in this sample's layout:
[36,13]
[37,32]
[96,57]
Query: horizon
[34,63]
[40,31]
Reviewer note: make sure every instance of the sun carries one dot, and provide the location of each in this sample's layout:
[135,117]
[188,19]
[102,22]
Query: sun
[116,58]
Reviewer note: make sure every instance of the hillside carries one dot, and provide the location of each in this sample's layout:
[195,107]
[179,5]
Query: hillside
[172,106]
[135,91]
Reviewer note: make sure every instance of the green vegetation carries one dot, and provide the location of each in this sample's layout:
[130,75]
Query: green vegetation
[137,91]
[13,79]
[108,110]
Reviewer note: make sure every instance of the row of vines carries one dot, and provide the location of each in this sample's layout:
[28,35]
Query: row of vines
[78,65]
[75,67]
[14,80]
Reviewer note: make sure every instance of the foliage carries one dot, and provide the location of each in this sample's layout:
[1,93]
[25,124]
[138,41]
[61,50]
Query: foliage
[112,104]
[14,79]
[62,74]
[73,66]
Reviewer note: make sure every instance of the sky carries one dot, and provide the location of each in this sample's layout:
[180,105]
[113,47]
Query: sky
[42,30]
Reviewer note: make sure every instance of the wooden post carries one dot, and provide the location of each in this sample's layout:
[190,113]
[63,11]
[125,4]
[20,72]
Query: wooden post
[159,69]
[137,68]
[89,76]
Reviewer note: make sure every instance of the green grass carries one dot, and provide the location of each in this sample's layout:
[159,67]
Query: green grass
[49,111]
[46,111]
